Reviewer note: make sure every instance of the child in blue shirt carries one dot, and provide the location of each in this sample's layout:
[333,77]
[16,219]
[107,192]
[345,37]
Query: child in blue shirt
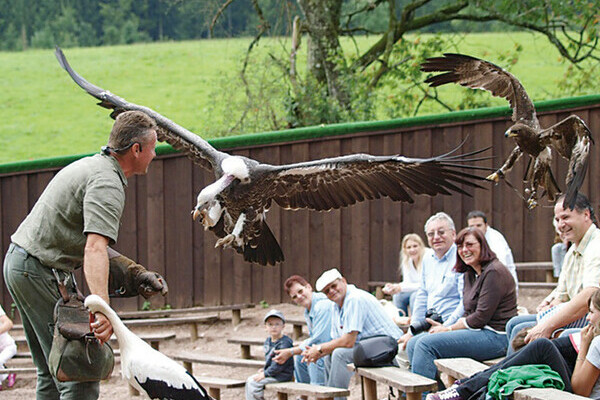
[272,372]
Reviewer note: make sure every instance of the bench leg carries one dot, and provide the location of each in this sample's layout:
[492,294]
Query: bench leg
[297,332]
[245,351]
[155,344]
[188,367]
[370,388]
[215,393]
[133,391]
[193,331]
[282,396]
[236,317]
[379,293]
[414,396]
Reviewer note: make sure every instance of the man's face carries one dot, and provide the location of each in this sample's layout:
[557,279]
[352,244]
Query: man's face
[571,224]
[145,153]
[336,291]
[478,223]
[440,236]
[301,295]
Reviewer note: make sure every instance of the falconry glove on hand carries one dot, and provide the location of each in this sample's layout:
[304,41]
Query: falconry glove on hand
[128,279]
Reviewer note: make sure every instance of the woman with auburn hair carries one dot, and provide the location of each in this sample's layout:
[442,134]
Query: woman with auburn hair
[412,252]
[489,301]
[576,358]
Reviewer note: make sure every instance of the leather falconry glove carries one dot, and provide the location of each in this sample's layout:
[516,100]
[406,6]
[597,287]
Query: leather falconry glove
[128,279]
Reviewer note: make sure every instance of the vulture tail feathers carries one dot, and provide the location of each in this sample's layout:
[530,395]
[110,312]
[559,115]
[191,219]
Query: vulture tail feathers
[264,249]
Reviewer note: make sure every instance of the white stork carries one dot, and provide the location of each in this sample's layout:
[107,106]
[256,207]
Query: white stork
[146,369]
[234,206]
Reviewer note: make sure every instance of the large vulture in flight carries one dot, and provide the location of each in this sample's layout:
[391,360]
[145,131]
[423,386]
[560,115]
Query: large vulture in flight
[571,138]
[234,206]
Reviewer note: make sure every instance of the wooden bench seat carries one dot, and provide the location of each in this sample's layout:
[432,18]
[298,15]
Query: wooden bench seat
[215,385]
[245,344]
[378,286]
[189,359]
[191,320]
[411,384]
[538,266]
[285,389]
[236,312]
[18,370]
[537,285]
[297,324]
[461,368]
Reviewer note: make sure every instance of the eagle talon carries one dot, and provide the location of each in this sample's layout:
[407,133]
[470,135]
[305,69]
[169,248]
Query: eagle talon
[228,240]
[531,204]
[495,177]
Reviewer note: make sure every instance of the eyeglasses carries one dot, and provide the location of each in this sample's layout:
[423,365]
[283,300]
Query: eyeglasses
[273,324]
[299,293]
[333,286]
[468,245]
[440,232]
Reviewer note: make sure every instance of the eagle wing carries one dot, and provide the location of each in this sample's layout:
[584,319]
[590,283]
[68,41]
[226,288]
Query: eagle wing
[571,138]
[480,74]
[342,181]
[196,148]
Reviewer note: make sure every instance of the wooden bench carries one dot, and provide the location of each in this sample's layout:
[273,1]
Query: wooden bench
[537,285]
[215,385]
[412,384]
[18,370]
[153,339]
[285,389]
[189,359]
[538,266]
[236,312]
[192,321]
[245,344]
[461,368]
[378,286]
[297,325]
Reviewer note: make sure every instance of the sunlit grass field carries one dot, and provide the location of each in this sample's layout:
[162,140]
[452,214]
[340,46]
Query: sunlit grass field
[196,84]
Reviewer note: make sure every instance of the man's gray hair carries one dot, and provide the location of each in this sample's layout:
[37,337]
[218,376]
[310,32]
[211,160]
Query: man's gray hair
[440,215]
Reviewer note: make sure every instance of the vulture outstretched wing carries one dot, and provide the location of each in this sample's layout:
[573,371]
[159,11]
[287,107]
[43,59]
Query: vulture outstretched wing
[480,74]
[196,148]
[342,181]
[571,138]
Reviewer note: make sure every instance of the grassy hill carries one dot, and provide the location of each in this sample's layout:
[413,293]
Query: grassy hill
[196,84]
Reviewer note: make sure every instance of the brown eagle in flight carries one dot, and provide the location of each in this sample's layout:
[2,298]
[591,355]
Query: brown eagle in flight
[234,206]
[571,138]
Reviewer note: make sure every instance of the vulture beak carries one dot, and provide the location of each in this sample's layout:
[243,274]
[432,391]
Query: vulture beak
[199,211]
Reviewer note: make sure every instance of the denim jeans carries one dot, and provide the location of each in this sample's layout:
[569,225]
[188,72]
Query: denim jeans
[558,354]
[337,370]
[515,325]
[479,345]
[313,373]
[256,390]
[404,300]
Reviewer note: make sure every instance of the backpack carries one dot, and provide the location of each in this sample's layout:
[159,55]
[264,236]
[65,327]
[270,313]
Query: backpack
[376,351]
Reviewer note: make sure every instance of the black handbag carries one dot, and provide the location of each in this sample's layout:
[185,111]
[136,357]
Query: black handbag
[376,351]
[76,354]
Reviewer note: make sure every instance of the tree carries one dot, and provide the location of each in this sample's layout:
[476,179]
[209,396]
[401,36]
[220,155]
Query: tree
[572,27]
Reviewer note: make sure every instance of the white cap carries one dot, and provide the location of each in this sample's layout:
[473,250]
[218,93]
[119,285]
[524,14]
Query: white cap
[326,278]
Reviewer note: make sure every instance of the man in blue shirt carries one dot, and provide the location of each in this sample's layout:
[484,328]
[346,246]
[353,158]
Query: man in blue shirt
[441,288]
[356,315]
[317,312]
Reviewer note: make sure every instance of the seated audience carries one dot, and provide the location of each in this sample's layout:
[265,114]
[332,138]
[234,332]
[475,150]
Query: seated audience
[577,363]
[579,277]
[441,287]
[272,372]
[317,313]
[489,299]
[496,241]
[411,257]
[357,315]
[8,349]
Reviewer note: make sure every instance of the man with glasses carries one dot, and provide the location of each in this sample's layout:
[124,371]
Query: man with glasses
[317,312]
[357,315]
[441,287]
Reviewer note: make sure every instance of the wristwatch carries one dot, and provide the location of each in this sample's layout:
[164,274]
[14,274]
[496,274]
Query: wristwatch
[320,349]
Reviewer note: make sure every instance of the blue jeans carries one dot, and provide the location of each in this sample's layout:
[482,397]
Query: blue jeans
[337,370]
[313,373]
[515,325]
[403,300]
[479,345]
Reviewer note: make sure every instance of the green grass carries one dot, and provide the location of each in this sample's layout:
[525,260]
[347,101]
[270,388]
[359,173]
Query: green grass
[44,114]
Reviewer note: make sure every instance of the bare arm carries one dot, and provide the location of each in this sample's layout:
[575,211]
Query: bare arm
[95,269]
[585,373]
[6,324]
[347,340]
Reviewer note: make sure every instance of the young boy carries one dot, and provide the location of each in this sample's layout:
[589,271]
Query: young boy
[272,372]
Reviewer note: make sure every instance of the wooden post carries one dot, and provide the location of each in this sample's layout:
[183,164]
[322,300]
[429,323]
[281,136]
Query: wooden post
[133,391]
[414,396]
[379,293]
[194,331]
[155,344]
[215,393]
[245,351]
[236,317]
[370,388]
[550,276]
[297,331]
[188,367]
[282,396]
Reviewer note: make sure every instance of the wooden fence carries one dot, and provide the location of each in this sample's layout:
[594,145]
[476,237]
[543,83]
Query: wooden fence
[362,240]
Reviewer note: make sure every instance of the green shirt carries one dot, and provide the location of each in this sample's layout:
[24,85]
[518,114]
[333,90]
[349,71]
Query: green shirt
[87,196]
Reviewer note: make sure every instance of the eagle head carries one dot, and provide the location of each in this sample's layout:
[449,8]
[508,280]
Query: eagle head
[519,130]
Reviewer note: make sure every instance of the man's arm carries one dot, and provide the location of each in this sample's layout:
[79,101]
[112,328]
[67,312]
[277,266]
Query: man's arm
[127,278]
[571,311]
[95,269]
[347,340]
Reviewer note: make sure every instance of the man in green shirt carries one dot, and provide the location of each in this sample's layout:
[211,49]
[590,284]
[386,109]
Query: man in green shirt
[72,224]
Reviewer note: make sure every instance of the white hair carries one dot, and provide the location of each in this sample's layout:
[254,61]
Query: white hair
[440,215]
